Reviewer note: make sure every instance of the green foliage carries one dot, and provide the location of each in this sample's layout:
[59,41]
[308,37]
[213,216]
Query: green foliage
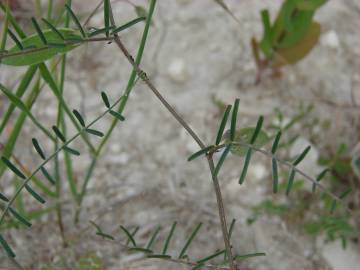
[53,44]
[37,51]
[290,37]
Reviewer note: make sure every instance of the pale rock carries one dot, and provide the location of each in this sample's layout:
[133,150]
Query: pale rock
[177,70]
[330,39]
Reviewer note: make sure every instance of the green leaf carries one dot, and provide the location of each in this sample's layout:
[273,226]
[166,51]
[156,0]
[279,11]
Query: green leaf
[53,28]
[100,31]
[158,256]
[275,175]
[127,25]
[290,182]
[3,197]
[233,119]
[302,156]
[153,238]
[12,167]
[47,175]
[105,235]
[244,135]
[309,5]
[128,234]
[105,99]
[71,151]
[293,54]
[301,24]
[59,134]
[167,241]
[19,45]
[14,99]
[222,160]
[139,249]
[246,256]
[107,16]
[257,130]
[19,217]
[189,241]
[34,194]
[75,19]
[79,118]
[117,115]
[94,132]
[133,234]
[319,178]
[265,44]
[39,31]
[222,125]
[200,153]
[218,253]
[245,167]
[276,143]
[38,148]
[7,248]
[44,53]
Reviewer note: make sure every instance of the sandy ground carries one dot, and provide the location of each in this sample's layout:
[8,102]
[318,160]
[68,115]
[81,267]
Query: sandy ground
[196,52]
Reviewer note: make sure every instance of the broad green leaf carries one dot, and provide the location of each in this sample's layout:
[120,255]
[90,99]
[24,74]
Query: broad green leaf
[309,5]
[265,44]
[297,52]
[28,57]
[301,24]
[282,21]
[244,135]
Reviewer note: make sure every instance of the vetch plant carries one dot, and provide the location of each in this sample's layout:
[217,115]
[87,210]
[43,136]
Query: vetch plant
[53,44]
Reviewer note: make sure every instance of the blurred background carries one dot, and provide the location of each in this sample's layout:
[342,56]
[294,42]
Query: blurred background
[200,59]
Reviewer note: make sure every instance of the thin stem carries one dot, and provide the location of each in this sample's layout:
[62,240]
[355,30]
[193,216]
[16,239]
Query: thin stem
[192,133]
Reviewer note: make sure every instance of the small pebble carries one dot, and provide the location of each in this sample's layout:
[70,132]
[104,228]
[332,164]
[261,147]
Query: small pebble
[177,70]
